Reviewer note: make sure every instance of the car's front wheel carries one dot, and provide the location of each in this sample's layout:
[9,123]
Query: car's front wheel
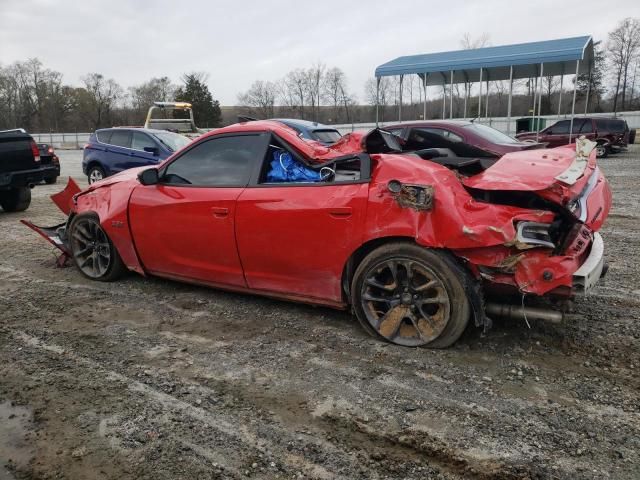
[411,296]
[93,252]
[95,174]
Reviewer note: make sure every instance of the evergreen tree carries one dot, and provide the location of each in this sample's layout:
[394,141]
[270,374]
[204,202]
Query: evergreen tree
[206,110]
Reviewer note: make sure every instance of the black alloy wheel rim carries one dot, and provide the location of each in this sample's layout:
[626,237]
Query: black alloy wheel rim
[405,301]
[91,248]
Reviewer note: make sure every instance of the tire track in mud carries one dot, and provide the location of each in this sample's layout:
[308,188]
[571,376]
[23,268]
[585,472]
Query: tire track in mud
[253,439]
[447,456]
[402,447]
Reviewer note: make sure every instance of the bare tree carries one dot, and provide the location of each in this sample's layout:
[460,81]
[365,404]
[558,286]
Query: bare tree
[549,84]
[260,98]
[469,43]
[334,91]
[380,97]
[314,86]
[293,90]
[99,98]
[623,46]
[155,90]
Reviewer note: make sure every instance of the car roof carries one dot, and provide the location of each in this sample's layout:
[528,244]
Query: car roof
[134,129]
[303,124]
[433,123]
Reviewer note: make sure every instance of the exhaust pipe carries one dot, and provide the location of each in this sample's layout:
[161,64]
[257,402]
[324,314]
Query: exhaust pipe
[518,312]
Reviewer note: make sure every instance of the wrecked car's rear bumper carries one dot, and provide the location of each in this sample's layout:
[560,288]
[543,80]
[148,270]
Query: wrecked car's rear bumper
[587,276]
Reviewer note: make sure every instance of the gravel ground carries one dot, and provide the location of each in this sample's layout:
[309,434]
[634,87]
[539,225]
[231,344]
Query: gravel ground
[150,379]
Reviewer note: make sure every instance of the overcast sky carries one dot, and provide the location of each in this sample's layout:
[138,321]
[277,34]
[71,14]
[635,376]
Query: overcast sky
[237,42]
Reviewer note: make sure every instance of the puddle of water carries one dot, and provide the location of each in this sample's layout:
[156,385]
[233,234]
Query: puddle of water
[15,422]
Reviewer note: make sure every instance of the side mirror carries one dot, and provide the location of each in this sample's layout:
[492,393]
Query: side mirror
[153,150]
[149,176]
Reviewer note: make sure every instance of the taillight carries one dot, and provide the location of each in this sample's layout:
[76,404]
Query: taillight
[35,151]
[50,149]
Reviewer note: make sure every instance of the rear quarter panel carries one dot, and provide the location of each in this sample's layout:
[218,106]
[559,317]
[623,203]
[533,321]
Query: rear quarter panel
[456,220]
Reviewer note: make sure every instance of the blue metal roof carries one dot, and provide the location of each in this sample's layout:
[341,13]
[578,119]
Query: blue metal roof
[558,56]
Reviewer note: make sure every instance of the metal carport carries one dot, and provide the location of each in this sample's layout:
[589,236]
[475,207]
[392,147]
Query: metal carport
[507,62]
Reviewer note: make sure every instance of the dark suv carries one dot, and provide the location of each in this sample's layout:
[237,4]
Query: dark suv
[611,134]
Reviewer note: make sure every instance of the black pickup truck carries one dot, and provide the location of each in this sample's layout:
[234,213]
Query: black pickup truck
[20,169]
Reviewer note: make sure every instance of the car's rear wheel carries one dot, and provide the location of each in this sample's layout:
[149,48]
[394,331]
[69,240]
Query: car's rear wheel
[50,180]
[602,150]
[93,252]
[411,296]
[15,199]
[95,174]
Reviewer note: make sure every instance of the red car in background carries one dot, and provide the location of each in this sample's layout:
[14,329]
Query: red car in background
[461,138]
[416,248]
[610,134]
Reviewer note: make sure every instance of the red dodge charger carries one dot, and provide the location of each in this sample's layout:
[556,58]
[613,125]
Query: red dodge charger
[416,244]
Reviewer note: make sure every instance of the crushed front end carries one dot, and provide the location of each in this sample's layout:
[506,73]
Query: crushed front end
[57,234]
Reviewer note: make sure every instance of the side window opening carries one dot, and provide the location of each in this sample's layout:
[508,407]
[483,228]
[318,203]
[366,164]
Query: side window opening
[121,138]
[141,140]
[282,165]
[587,127]
[104,136]
[577,126]
[222,162]
[560,128]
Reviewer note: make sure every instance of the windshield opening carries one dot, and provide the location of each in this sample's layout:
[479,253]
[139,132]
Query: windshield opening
[172,141]
[491,134]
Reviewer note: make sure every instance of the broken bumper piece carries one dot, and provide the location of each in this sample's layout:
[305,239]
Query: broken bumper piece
[53,236]
[587,276]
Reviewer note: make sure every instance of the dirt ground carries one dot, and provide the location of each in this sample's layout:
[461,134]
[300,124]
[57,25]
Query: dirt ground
[150,379]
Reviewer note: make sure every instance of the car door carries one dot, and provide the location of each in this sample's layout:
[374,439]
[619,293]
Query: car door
[295,238]
[118,150]
[184,226]
[140,157]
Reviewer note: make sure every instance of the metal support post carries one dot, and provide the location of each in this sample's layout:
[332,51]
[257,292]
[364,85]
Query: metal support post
[573,103]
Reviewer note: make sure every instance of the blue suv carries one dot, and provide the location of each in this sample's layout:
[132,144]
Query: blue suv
[111,150]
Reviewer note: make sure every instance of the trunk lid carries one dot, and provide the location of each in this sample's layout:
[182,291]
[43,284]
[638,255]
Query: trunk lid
[567,176]
[560,169]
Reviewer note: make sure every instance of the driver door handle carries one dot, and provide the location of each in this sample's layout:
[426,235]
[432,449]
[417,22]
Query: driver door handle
[340,212]
[220,212]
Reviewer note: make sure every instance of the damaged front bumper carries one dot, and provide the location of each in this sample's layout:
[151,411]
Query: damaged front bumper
[593,268]
[56,236]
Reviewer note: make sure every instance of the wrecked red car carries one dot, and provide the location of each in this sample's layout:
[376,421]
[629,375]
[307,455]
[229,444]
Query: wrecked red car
[415,247]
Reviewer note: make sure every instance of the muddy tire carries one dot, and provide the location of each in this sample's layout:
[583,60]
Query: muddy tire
[411,296]
[16,199]
[93,252]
